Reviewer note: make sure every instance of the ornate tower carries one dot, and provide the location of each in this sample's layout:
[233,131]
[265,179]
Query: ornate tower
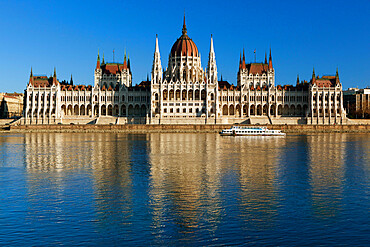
[243,72]
[212,68]
[157,65]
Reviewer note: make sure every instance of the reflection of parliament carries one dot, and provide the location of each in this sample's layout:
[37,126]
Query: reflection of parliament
[184,93]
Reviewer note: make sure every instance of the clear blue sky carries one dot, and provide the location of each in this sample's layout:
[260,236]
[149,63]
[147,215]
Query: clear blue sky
[68,34]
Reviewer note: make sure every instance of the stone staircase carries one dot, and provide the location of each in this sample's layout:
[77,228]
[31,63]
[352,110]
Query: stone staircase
[105,120]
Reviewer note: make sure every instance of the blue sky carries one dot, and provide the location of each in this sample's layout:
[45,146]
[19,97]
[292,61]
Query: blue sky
[68,34]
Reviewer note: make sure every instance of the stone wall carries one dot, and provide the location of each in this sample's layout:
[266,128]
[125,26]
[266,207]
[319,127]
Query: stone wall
[146,128]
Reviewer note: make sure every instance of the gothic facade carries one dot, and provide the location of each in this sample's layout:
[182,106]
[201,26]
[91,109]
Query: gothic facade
[184,93]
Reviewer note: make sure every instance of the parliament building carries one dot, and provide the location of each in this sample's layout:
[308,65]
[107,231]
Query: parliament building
[184,93]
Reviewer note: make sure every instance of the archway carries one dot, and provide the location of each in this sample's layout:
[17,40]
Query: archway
[103,110]
[231,110]
[137,110]
[238,110]
[110,110]
[143,110]
[123,110]
[225,110]
[130,110]
[116,111]
[82,110]
[259,110]
[245,110]
[252,110]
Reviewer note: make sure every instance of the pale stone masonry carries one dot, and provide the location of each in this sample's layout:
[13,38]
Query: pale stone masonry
[184,93]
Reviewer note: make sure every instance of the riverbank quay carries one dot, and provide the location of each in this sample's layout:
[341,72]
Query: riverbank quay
[147,128]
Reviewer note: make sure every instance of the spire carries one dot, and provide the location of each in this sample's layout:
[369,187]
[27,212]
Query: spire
[98,61]
[240,60]
[184,30]
[71,81]
[270,60]
[55,77]
[156,44]
[31,78]
[103,62]
[313,76]
[128,61]
[212,49]
[337,77]
[265,58]
[297,79]
[243,62]
[124,58]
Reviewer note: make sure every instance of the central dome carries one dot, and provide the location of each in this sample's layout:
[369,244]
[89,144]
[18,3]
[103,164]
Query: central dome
[184,46]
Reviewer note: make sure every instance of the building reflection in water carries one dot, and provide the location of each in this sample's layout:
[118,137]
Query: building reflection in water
[189,173]
[185,182]
[326,158]
[184,186]
[257,164]
[90,166]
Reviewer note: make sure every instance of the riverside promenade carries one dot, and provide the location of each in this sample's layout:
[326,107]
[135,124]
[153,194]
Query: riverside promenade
[209,128]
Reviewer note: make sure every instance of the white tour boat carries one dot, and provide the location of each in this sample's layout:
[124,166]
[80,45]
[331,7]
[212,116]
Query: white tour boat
[250,131]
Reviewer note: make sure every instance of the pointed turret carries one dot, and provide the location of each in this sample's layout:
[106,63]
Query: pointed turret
[156,76]
[313,76]
[337,77]
[55,77]
[184,30]
[297,79]
[212,67]
[128,62]
[244,66]
[240,60]
[265,58]
[270,61]
[71,81]
[124,61]
[98,61]
[31,78]
[103,62]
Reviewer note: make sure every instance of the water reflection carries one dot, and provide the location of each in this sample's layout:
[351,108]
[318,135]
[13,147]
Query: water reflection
[326,173]
[186,189]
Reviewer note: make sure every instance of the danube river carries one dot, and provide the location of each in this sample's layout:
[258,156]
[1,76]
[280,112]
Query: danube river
[184,189]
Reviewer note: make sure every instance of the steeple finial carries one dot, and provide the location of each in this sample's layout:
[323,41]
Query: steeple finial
[212,49]
[103,58]
[265,58]
[124,58]
[337,74]
[156,43]
[98,56]
[71,82]
[55,72]
[270,60]
[31,73]
[243,56]
[184,30]
[297,79]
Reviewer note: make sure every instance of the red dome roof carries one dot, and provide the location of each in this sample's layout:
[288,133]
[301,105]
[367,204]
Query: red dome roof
[184,46]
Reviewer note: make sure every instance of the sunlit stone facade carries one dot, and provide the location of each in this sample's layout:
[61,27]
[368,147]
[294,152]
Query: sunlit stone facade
[184,93]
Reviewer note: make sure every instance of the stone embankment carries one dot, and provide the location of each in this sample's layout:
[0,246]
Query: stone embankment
[141,128]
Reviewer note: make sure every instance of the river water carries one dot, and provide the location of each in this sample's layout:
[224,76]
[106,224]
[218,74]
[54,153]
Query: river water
[184,189]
